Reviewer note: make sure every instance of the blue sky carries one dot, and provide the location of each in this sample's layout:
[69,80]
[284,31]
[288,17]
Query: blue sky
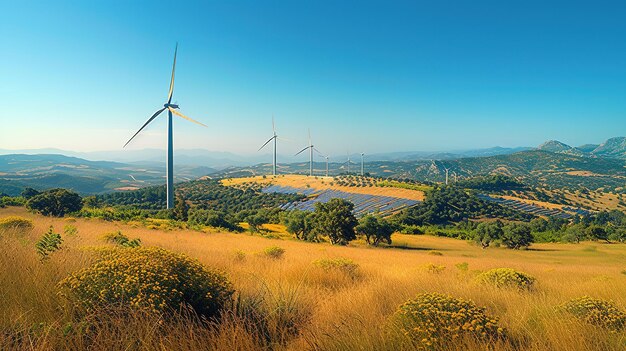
[364,76]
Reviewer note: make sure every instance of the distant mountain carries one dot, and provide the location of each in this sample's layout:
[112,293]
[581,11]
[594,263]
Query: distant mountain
[613,147]
[438,155]
[18,171]
[561,148]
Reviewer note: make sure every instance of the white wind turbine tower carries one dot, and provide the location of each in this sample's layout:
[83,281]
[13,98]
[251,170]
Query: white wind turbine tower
[447,170]
[274,138]
[326,157]
[311,148]
[362,157]
[171,108]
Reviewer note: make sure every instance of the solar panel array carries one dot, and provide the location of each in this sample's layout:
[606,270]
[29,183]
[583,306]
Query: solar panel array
[535,209]
[363,203]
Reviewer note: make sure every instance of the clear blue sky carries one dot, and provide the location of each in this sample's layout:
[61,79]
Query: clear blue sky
[365,76]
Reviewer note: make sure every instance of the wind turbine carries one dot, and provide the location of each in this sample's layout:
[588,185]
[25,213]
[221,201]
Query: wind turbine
[447,170]
[326,157]
[275,137]
[362,156]
[311,148]
[171,109]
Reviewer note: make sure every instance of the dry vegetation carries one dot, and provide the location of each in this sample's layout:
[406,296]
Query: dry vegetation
[346,302]
[320,183]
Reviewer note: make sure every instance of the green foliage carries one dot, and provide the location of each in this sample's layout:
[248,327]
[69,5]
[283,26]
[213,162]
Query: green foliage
[70,230]
[451,204]
[462,266]
[273,252]
[506,278]
[494,182]
[516,235]
[300,224]
[376,229]
[55,202]
[27,193]
[256,221]
[488,232]
[181,209]
[433,320]
[16,223]
[336,220]
[411,229]
[148,278]
[122,240]
[598,312]
[12,201]
[435,253]
[212,218]
[48,243]
[595,232]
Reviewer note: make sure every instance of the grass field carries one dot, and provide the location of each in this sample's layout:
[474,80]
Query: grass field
[304,307]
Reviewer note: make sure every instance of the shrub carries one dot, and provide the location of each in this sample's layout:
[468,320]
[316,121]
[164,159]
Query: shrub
[55,202]
[122,240]
[433,268]
[239,255]
[70,230]
[506,278]
[148,278]
[344,265]
[462,266]
[598,312]
[274,252]
[48,243]
[435,253]
[15,222]
[433,319]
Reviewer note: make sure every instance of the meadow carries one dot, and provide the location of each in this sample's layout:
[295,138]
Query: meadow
[287,302]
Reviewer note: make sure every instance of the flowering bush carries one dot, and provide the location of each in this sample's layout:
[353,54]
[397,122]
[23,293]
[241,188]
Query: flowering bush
[275,252]
[15,222]
[597,312]
[506,278]
[433,319]
[344,265]
[148,278]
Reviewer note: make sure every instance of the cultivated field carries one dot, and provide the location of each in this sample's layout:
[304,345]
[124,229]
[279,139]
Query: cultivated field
[302,306]
[322,183]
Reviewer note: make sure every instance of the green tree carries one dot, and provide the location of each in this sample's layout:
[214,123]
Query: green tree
[375,229]
[516,235]
[27,193]
[299,223]
[335,219]
[596,232]
[181,209]
[488,232]
[256,221]
[55,202]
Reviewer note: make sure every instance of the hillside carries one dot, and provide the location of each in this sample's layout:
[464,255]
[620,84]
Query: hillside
[86,177]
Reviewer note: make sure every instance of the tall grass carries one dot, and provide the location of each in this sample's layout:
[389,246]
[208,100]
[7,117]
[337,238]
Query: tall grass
[294,304]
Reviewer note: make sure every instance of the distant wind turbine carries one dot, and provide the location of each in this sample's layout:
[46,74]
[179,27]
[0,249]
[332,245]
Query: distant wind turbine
[447,170]
[171,108]
[326,157]
[311,148]
[275,137]
[362,157]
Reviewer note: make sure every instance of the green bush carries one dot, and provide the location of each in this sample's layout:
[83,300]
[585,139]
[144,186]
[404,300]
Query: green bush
[70,230]
[344,265]
[15,222]
[55,202]
[122,240]
[433,268]
[434,319]
[48,243]
[274,252]
[148,278]
[598,312]
[506,278]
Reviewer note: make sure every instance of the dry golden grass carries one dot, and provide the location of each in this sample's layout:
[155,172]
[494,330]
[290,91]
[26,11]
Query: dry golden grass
[321,183]
[295,305]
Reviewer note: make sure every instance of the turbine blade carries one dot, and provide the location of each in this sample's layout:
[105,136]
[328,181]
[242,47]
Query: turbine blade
[169,95]
[267,142]
[301,151]
[318,151]
[142,127]
[185,117]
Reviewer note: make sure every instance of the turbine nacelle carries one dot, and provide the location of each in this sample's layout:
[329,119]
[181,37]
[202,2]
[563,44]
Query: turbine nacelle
[171,105]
